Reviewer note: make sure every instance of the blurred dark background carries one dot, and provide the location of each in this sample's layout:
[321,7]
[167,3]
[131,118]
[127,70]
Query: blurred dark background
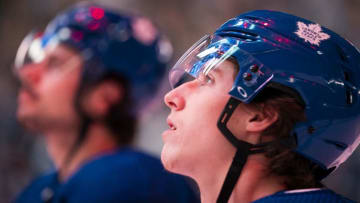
[22,156]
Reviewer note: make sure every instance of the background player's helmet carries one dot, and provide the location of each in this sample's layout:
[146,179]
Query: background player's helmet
[277,48]
[110,43]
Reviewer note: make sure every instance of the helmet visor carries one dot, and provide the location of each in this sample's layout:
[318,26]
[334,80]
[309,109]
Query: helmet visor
[212,51]
[199,60]
[47,54]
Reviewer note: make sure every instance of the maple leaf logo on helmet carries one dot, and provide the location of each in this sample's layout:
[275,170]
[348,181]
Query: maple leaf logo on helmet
[311,33]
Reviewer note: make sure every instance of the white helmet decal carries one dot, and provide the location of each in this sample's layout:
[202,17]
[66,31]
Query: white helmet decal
[311,33]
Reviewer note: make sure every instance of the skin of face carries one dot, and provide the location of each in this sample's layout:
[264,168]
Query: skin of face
[46,98]
[193,140]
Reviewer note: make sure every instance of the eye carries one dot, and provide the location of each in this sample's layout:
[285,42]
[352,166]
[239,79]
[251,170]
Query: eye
[53,63]
[183,79]
[206,79]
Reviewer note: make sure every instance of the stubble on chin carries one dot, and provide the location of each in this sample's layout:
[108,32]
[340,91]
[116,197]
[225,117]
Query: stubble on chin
[30,124]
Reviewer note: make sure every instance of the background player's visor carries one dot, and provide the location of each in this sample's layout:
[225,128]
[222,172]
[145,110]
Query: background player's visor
[48,53]
[35,47]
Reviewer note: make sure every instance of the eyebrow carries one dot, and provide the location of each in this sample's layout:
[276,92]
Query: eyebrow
[218,71]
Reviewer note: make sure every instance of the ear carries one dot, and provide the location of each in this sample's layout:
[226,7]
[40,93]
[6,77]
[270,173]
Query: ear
[99,99]
[260,120]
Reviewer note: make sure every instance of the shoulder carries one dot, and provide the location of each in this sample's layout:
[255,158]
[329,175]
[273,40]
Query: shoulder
[126,175]
[122,164]
[33,192]
[305,195]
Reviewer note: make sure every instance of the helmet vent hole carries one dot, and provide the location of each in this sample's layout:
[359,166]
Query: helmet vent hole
[349,94]
[347,76]
[252,18]
[338,145]
[349,97]
[342,54]
[240,34]
[311,129]
[295,136]
[255,18]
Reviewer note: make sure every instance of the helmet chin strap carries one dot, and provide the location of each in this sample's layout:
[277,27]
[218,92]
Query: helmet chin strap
[82,135]
[244,149]
[85,122]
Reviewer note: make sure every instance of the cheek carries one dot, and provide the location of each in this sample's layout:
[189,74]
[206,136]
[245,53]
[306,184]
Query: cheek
[169,157]
[59,92]
[196,137]
[175,149]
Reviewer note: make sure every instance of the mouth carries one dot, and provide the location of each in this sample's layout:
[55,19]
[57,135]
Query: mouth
[28,91]
[26,97]
[171,125]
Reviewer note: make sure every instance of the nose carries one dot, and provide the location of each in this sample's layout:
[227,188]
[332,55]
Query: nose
[174,100]
[30,74]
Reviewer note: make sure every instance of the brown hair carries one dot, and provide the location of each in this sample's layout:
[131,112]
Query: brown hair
[296,170]
[120,119]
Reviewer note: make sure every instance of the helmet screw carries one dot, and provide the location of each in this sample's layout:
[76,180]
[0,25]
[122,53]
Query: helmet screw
[247,76]
[254,68]
[311,129]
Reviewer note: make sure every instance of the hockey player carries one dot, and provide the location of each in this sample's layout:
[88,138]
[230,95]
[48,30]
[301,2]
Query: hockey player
[84,82]
[263,109]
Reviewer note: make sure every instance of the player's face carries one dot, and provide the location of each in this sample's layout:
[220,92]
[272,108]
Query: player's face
[193,138]
[46,97]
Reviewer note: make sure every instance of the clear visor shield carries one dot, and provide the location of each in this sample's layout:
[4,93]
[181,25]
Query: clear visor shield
[209,53]
[37,53]
[30,50]
[34,49]
[199,60]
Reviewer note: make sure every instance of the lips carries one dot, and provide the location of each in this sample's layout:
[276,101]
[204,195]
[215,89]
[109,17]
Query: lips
[170,124]
[169,132]
[24,96]
[26,91]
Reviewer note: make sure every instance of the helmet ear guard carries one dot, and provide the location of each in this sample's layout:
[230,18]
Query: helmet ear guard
[252,77]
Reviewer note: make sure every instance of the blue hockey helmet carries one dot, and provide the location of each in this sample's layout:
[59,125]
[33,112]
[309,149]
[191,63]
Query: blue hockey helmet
[318,64]
[110,43]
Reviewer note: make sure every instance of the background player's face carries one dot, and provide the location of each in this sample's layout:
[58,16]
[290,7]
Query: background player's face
[46,98]
[193,138]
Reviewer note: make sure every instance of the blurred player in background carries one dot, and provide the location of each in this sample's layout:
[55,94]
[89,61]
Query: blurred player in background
[263,109]
[85,81]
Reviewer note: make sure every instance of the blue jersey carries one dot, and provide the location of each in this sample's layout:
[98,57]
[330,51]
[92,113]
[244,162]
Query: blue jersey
[125,176]
[306,195]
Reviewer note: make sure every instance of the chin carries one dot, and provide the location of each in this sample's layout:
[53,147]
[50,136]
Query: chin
[27,120]
[30,125]
[168,159]
[173,161]
[24,111]
[22,117]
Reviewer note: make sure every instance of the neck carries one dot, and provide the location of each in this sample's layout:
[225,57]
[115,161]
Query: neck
[98,141]
[254,182]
